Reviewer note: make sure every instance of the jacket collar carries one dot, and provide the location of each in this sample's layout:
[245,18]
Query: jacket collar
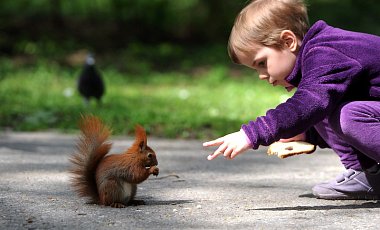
[295,76]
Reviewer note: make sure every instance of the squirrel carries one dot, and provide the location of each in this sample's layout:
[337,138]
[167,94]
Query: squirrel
[110,180]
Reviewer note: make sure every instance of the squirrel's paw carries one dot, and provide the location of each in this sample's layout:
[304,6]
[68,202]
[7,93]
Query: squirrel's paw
[117,205]
[154,170]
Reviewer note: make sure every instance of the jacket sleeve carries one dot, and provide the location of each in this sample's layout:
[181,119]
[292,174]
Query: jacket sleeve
[327,74]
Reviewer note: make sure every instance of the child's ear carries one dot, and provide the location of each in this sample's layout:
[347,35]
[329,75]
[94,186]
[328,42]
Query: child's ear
[289,40]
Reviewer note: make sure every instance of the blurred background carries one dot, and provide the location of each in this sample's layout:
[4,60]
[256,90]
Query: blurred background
[161,63]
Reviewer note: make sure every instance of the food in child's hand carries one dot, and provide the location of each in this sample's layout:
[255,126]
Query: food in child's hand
[287,149]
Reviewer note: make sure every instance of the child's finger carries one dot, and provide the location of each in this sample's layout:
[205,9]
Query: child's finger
[227,152]
[218,141]
[213,156]
[218,152]
[234,153]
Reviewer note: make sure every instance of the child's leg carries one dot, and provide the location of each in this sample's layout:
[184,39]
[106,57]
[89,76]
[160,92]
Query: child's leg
[353,133]
[358,124]
[349,156]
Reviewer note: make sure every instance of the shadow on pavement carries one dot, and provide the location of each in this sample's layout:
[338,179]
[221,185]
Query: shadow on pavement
[375,204]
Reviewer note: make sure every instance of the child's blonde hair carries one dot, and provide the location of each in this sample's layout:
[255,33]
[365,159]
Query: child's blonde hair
[262,21]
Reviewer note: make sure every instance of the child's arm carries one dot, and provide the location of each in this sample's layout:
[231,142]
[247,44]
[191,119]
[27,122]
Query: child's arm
[230,145]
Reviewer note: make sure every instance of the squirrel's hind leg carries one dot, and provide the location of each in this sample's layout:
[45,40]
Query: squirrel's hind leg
[111,193]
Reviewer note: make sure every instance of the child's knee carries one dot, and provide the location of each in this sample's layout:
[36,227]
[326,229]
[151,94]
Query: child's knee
[354,116]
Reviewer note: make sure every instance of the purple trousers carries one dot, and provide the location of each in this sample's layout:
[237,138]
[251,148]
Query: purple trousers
[353,132]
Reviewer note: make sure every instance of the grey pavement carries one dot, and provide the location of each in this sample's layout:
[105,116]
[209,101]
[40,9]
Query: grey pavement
[254,191]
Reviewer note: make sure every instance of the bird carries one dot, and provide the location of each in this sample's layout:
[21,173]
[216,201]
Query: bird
[90,82]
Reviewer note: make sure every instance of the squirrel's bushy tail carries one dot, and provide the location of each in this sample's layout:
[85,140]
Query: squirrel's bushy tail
[92,146]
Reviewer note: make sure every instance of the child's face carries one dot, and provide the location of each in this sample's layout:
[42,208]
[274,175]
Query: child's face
[272,64]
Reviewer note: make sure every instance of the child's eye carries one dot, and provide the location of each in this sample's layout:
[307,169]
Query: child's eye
[261,64]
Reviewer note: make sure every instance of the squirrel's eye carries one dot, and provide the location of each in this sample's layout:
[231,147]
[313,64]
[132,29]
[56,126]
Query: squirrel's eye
[150,155]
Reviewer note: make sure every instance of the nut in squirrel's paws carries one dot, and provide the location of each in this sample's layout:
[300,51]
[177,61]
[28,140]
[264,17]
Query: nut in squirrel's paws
[287,149]
[156,171]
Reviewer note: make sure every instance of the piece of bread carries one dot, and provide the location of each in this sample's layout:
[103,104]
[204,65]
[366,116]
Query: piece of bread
[287,149]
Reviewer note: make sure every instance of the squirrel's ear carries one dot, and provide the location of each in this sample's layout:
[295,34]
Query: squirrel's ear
[142,146]
[141,140]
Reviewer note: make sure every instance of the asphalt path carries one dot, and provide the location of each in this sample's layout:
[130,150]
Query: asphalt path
[254,191]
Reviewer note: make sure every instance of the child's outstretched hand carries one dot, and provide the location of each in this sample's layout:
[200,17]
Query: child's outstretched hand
[230,145]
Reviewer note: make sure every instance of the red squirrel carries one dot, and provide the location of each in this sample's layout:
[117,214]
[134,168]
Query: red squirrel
[110,180]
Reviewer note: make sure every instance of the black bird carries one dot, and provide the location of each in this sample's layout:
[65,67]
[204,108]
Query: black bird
[90,83]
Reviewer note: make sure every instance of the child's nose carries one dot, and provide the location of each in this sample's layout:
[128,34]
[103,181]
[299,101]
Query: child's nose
[263,76]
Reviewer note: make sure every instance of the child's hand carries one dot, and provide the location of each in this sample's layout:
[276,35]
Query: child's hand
[299,137]
[230,145]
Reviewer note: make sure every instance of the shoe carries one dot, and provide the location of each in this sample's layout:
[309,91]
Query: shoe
[351,185]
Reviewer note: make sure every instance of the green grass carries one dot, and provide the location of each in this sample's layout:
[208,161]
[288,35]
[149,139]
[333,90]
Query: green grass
[203,103]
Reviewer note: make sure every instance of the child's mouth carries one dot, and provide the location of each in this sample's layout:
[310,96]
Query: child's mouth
[289,88]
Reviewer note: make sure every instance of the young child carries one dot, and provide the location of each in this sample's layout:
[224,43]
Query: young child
[336,104]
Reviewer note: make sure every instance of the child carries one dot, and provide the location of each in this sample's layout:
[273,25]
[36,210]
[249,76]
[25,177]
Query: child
[337,101]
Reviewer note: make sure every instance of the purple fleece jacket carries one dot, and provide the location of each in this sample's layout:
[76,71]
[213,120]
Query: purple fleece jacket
[333,66]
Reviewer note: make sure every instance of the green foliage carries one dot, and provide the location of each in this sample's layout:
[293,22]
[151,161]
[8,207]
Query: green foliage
[106,26]
[156,58]
[354,15]
[168,104]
